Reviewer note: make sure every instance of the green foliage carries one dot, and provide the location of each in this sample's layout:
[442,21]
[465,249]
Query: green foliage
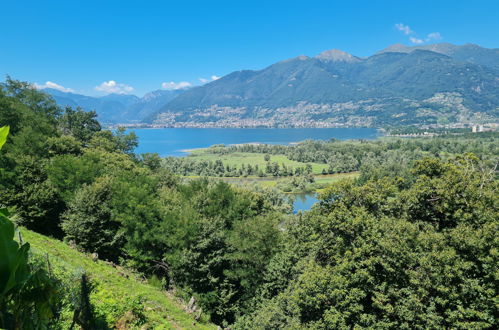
[252,243]
[117,142]
[27,296]
[64,145]
[79,124]
[411,243]
[4,132]
[89,220]
[387,254]
[220,161]
[13,258]
[116,292]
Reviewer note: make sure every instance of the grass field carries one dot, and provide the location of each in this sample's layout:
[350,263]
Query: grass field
[115,286]
[239,158]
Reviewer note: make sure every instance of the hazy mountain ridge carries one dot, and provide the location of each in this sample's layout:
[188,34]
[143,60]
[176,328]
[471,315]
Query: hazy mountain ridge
[468,53]
[117,108]
[431,84]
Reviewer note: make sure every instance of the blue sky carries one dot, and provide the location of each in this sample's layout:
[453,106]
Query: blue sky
[97,47]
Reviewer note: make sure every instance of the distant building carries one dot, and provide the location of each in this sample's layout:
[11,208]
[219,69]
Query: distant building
[481,128]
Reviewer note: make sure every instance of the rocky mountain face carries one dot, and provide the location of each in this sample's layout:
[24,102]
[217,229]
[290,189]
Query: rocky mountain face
[431,84]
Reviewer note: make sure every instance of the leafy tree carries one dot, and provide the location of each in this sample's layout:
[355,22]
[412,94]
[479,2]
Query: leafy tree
[79,123]
[38,205]
[390,255]
[90,223]
[28,296]
[125,143]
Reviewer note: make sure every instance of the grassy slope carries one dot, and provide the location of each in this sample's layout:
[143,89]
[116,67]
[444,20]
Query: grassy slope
[113,285]
[239,158]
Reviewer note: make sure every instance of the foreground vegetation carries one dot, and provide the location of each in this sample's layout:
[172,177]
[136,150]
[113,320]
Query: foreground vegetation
[120,297]
[408,243]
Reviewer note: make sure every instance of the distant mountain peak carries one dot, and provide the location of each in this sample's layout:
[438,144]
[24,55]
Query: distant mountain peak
[297,58]
[442,48]
[336,55]
[396,48]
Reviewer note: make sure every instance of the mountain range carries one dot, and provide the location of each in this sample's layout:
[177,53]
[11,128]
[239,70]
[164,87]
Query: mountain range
[117,108]
[400,85]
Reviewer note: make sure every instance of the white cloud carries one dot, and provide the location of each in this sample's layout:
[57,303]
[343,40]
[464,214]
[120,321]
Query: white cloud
[433,36]
[404,28]
[53,85]
[112,86]
[205,80]
[174,86]
[416,40]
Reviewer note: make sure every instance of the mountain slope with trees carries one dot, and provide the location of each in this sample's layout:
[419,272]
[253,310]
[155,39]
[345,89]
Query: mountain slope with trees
[398,86]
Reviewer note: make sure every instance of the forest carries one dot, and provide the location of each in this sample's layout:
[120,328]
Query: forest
[411,243]
[335,156]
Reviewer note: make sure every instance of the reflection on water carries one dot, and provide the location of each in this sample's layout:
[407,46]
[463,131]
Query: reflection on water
[304,202]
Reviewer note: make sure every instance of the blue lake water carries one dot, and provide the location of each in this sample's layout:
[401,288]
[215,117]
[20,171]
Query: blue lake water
[304,202]
[174,141]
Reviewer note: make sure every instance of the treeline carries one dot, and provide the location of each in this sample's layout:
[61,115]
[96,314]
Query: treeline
[187,166]
[411,244]
[404,130]
[350,156]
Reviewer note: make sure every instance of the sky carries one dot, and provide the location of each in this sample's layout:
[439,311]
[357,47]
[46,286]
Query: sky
[101,47]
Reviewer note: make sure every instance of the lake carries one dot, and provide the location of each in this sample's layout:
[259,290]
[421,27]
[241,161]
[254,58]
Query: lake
[175,141]
[304,202]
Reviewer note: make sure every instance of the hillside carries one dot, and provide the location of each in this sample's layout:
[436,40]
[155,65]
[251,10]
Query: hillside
[115,287]
[436,84]
[116,108]
[467,53]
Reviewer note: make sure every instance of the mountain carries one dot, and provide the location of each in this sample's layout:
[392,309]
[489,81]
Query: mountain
[434,84]
[117,108]
[467,53]
[150,103]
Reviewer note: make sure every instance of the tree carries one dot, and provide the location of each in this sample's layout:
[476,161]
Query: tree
[79,123]
[125,143]
[38,205]
[90,222]
[28,296]
[382,254]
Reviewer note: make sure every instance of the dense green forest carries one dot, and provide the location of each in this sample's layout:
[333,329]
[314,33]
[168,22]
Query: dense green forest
[339,156]
[411,243]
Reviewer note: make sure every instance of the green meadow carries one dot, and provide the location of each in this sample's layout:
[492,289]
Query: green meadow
[239,158]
